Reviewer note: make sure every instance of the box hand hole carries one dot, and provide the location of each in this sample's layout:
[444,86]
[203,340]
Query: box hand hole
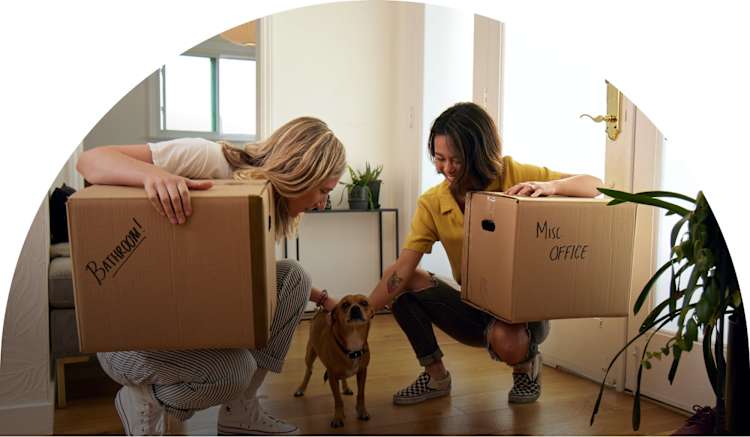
[488,225]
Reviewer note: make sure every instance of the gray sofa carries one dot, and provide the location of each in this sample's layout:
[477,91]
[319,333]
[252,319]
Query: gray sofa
[62,317]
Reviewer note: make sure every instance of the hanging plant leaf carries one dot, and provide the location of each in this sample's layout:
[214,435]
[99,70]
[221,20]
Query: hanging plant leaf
[665,319]
[689,290]
[650,320]
[698,302]
[676,354]
[647,288]
[655,194]
[645,200]
[708,359]
[676,230]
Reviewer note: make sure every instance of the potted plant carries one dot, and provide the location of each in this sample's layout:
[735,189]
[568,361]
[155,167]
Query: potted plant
[373,184]
[700,305]
[364,189]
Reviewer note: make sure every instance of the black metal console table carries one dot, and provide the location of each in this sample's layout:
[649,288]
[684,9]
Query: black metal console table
[380,212]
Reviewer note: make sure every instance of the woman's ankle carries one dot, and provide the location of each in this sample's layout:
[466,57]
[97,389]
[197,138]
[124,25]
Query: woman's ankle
[436,370]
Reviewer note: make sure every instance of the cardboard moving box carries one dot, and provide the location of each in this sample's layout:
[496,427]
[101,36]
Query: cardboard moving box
[547,258]
[142,283]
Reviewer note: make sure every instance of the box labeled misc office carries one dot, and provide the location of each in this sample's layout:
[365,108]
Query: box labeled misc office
[545,258]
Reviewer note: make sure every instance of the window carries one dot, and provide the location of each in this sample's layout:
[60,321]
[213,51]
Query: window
[210,91]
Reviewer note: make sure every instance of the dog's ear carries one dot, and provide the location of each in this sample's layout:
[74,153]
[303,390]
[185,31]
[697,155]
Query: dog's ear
[333,314]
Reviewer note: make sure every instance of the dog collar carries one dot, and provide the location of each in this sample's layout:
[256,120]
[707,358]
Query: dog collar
[352,355]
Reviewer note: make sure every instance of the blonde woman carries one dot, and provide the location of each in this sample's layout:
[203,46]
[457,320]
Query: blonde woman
[303,160]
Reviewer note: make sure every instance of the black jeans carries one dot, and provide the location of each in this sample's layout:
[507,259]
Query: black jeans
[416,312]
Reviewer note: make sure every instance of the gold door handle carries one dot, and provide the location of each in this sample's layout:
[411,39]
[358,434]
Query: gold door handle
[601,118]
[614,113]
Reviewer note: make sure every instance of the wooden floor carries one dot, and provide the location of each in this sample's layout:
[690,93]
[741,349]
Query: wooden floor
[478,404]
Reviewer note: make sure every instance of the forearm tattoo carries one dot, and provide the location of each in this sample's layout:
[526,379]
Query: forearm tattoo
[394,282]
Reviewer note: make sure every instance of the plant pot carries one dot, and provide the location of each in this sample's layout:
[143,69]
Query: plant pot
[359,197]
[737,388]
[374,187]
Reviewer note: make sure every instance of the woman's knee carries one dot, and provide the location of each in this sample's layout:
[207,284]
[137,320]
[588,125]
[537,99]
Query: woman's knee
[419,281]
[293,281]
[400,305]
[509,342]
[234,371]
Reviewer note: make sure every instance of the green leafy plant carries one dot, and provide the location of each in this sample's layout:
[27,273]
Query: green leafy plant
[362,179]
[700,305]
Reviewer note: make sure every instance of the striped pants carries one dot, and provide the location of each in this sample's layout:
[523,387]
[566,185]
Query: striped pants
[191,380]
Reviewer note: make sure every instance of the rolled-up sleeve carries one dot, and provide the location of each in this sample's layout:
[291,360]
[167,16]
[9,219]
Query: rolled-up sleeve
[423,233]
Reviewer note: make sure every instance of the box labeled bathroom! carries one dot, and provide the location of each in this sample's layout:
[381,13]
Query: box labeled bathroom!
[142,283]
[545,258]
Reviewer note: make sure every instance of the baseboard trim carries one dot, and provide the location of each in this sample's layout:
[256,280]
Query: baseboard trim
[27,419]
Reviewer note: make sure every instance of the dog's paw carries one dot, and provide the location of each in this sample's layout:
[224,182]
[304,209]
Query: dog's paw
[337,423]
[347,391]
[363,415]
[299,393]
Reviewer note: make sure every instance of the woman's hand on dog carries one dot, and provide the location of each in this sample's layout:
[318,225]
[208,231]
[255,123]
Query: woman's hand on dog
[330,303]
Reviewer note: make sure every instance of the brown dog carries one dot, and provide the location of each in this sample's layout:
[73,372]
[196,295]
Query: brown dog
[339,339]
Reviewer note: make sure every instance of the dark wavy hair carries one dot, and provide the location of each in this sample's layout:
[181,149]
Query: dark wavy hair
[475,138]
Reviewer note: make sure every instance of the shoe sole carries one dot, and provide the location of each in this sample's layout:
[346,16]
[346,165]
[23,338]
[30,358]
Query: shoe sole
[120,412]
[229,430]
[520,400]
[425,397]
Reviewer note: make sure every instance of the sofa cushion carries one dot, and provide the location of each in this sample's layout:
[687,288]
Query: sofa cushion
[61,283]
[59,249]
[63,333]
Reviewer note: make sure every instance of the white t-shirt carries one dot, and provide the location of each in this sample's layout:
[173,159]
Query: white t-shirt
[194,158]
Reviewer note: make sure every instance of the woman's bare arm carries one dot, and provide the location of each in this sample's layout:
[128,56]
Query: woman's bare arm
[395,278]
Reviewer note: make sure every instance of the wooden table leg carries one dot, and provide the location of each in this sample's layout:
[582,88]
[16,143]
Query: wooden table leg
[60,375]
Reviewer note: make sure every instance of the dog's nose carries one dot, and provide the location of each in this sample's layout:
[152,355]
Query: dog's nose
[356,313]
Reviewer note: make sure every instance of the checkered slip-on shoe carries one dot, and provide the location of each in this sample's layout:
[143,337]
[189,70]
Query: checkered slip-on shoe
[422,389]
[527,386]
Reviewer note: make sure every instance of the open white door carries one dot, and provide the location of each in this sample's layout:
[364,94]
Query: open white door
[636,160]
[655,168]
[586,346]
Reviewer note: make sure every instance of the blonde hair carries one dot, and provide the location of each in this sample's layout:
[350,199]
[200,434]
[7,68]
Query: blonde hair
[298,156]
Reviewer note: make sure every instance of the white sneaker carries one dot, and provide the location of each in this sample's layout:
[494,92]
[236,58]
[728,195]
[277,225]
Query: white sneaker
[139,411]
[246,417]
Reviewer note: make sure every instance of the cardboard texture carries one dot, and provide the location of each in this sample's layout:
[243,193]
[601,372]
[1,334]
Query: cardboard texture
[529,259]
[142,283]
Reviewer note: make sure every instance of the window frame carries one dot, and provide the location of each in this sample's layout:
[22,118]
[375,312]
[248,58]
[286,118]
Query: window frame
[214,49]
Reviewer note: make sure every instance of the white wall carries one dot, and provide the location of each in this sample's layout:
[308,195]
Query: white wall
[337,62]
[357,66]
[544,94]
[125,123]
[26,391]
[448,79]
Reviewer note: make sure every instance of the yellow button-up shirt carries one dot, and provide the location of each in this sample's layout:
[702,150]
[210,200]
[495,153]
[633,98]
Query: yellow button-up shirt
[439,218]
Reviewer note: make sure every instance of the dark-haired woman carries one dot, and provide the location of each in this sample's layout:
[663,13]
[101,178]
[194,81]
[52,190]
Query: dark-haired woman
[465,147]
